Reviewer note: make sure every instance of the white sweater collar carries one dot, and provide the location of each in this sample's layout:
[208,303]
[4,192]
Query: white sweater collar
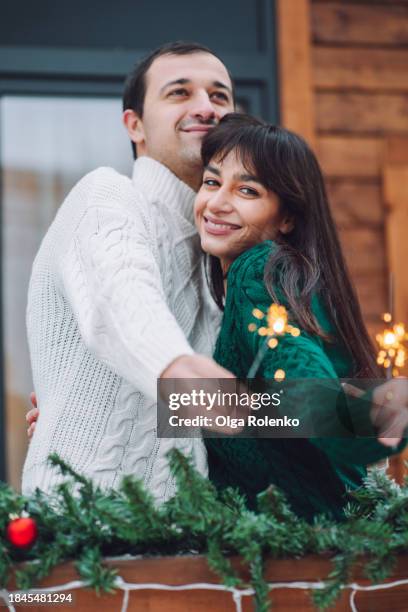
[159,182]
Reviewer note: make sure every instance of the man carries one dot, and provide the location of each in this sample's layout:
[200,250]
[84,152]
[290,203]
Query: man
[118,295]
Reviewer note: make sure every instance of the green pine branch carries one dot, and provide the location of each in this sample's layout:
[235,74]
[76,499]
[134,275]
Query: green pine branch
[81,522]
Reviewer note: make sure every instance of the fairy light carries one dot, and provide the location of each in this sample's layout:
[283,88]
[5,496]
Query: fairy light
[392,350]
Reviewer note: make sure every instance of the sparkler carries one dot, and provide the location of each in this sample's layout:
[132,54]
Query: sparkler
[275,325]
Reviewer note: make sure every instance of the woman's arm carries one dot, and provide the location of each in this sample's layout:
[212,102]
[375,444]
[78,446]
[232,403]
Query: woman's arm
[331,419]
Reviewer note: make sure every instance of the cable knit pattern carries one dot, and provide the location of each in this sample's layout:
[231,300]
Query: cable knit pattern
[314,473]
[117,292]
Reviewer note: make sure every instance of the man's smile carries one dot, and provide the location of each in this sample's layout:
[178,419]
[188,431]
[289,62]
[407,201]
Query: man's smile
[198,128]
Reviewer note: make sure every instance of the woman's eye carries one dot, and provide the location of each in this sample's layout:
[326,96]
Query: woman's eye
[210,182]
[248,191]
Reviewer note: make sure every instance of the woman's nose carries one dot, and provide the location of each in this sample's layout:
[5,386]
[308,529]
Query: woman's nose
[219,202]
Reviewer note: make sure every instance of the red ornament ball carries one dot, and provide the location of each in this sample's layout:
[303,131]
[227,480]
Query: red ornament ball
[22,532]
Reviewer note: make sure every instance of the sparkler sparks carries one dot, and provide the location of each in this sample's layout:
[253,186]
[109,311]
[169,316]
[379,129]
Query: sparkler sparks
[275,325]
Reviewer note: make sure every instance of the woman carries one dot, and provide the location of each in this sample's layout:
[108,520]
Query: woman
[263,217]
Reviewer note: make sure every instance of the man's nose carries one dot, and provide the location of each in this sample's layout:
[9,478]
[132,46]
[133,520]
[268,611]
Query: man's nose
[203,107]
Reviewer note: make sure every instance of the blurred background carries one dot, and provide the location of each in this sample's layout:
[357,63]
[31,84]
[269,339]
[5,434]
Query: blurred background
[336,72]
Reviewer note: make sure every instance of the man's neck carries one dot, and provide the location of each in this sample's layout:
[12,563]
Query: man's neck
[193,180]
[191,176]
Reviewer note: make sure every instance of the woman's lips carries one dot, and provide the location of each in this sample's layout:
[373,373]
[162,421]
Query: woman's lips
[218,227]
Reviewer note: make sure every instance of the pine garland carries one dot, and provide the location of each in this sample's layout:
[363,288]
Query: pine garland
[82,522]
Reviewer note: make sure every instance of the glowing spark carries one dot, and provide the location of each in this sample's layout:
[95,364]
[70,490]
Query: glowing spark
[279,375]
[258,314]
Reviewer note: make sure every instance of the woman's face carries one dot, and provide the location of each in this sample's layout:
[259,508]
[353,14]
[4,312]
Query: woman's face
[234,211]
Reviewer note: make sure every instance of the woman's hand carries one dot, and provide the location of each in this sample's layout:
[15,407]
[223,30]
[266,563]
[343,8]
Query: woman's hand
[390,410]
[32,415]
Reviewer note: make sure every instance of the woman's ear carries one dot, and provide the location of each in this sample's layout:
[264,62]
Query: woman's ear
[134,125]
[287,225]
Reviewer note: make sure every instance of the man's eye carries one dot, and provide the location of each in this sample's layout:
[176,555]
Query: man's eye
[220,95]
[178,92]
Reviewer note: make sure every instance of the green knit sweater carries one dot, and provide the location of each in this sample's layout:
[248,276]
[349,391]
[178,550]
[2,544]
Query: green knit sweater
[314,473]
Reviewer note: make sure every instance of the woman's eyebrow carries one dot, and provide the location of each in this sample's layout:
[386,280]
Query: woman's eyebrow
[237,177]
[247,177]
[213,169]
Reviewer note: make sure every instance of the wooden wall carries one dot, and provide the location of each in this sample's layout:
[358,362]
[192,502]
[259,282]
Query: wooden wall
[344,86]
[359,80]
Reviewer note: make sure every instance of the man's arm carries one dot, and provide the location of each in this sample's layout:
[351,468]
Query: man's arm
[112,282]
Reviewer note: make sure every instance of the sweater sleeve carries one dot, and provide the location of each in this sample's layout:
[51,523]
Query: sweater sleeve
[112,282]
[320,401]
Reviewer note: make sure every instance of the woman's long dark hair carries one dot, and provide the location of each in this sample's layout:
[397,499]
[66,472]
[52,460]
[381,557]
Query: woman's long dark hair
[309,258]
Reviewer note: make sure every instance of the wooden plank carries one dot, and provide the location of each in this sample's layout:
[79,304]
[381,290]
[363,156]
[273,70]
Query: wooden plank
[364,250]
[396,197]
[395,190]
[366,70]
[350,156]
[396,150]
[370,2]
[193,569]
[295,73]
[337,22]
[355,202]
[372,294]
[362,113]
[16,439]
[374,327]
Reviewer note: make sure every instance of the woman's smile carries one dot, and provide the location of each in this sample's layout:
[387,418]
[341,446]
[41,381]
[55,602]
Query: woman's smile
[218,227]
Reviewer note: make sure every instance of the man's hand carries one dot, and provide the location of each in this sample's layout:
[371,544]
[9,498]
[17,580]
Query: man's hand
[195,366]
[32,415]
[182,373]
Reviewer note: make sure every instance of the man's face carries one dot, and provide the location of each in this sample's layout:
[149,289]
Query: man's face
[186,95]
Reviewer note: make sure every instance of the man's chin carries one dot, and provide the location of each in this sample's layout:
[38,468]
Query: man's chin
[192,156]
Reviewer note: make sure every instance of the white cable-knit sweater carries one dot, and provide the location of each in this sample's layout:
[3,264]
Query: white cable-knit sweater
[117,292]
